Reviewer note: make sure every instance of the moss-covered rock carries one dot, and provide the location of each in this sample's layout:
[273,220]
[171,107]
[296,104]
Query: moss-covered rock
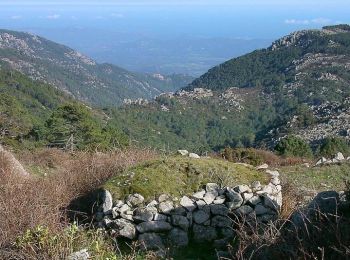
[180,175]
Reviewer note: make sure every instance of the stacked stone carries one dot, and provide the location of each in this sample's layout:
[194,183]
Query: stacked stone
[205,216]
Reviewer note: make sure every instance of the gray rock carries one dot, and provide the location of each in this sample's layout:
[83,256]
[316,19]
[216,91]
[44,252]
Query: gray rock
[209,197]
[244,210]
[123,208]
[270,203]
[199,195]
[179,210]
[200,203]
[115,212]
[180,221]
[275,181]
[107,202]
[153,226]
[189,216]
[273,173]
[160,217]
[262,167]
[220,199]
[247,196]
[124,228]
[144,214]
[339,156]
[153,203]
[200,216]
[261,210]
[177,237]
[166,207]
[150,241]
[135,199]
[219,209]
[235,199]
[187,203]
[202,234]
[182,152]
[255,200]
[227,232]
[80,255]
[256,185]
[221,254]
[321,161]
[194,156]
[242,189]
[221,221]
[99,216]
[212,187]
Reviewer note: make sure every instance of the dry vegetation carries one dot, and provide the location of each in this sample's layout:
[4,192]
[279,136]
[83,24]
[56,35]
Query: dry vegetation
[36,201]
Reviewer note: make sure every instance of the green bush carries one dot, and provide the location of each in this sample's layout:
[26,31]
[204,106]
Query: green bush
[243,155]
[332,145]
[293,146]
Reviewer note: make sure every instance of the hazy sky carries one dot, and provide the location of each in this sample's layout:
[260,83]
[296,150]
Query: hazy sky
[216,18]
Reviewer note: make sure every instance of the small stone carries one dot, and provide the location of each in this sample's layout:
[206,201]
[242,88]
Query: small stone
[219,210]
[200,216]
[235,199]
[135,199]
[242,189]
[153,226]
[254,200]
[150,241]
[275,181]
[177,237]
[144,214]
[262,167]
[118,203]
[124,228]
[80,255]
[180,221]
[212,187]
[256,185]
[209,197]
[115,212]
[182,152]
[194,156]
[187,203]
[273,173]
[153,203]
[339,156]
[321,161]
[127,216]
[200,203]
[166,207]
[247,196]
[123,208]
[202,234]
[219,199]
[221,221]
[199,194]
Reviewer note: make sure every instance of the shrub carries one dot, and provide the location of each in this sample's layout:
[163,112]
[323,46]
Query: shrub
[332,145]
[243,155]
[293,146]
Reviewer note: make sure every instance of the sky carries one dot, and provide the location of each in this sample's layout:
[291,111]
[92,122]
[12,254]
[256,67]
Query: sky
[208,18]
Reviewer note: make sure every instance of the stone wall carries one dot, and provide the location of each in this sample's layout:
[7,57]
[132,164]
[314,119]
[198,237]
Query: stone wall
[205,216]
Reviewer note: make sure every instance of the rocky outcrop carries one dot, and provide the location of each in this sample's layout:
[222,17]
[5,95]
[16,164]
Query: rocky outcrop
[205,216]
[12,163]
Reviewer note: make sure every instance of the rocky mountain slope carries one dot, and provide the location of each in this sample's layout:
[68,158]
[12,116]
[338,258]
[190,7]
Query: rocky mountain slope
[299,85]
[78,75]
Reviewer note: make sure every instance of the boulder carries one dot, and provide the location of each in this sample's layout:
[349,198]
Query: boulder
[200,216]
[153,226]
[182,152]
[180,221]
[209,197]
[202,234]
[187,203]
[177,237]
[194,156]
[144,214]
[124,228]
[150,241]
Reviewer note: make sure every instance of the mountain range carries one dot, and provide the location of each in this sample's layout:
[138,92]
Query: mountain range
[79,75]
[297,86]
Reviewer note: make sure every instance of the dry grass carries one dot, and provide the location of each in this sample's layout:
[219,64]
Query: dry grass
[29,202]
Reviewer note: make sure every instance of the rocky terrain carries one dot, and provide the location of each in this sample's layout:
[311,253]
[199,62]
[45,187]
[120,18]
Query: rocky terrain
[77,74]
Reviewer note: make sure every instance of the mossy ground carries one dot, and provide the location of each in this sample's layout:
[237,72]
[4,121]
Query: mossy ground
[322,178]
[178,175]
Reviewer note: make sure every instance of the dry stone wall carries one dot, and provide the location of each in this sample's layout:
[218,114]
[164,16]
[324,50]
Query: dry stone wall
[205,216]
